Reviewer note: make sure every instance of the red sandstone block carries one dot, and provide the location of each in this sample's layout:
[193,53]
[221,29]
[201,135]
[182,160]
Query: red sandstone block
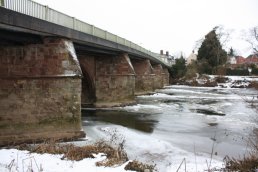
[4,70]
[6,85]
[19,71]
[35,71]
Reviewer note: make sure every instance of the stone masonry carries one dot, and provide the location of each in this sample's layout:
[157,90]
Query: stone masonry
[88,64]
[115,81]
[165,76]
[144,76]
[158,79]
[40,92]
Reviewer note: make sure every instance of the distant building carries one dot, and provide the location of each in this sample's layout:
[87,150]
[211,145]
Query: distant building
[192,57]
[240,60]
[167,58]
[252,59]
[231,60]
[243,62]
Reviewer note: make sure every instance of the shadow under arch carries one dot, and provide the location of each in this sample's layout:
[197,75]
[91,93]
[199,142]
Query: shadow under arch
[88,94]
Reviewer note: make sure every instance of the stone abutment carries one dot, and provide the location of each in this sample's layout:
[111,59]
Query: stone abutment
[43,87]
[40,92]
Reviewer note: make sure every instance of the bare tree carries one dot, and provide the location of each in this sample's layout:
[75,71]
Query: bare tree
[252,38]
[223,35]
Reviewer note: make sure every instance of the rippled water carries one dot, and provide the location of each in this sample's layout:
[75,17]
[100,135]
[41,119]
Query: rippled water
[180,122]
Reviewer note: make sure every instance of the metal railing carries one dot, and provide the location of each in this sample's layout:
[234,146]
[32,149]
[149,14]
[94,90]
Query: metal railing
[37,10]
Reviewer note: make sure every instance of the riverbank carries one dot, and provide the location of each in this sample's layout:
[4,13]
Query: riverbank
[60,157]
[192,126]
[180,122]
[219,81]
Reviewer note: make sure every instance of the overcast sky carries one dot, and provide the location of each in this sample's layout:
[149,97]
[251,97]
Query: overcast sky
[171,25]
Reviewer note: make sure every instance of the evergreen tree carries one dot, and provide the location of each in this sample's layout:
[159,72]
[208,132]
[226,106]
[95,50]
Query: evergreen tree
[231,52]
[178,70]
[211,51]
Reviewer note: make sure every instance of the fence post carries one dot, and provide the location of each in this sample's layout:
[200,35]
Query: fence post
[74,20]
[46,13]
[93,29]
[2,3]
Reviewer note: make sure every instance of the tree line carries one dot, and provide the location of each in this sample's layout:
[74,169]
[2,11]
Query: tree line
[211,58]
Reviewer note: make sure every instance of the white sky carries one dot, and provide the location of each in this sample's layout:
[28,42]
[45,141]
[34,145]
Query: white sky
[171,25]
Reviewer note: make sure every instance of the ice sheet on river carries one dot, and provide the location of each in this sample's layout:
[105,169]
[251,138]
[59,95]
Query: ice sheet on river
[186,122]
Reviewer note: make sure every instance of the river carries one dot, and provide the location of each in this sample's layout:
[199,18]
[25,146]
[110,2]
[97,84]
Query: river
[199,124]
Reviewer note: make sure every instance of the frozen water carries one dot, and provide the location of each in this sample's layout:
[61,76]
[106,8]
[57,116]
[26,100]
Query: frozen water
[181,122]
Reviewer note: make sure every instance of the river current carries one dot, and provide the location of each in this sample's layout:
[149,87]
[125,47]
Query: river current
[199,124]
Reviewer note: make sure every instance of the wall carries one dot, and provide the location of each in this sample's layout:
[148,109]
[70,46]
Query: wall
[158,79]
[144,76]
[165,77]
[115,81]
[88,66]
[40,92]
[108,80]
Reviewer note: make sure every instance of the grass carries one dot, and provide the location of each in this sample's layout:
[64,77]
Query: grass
[115,156]
[139,167]
[247,164]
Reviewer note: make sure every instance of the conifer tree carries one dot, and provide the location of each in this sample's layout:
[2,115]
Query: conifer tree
[211,51]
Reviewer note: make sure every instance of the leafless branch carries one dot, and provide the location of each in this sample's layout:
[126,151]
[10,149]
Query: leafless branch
[252,38]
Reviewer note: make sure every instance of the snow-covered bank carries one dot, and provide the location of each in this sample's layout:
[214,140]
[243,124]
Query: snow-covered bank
[219,81]
[183,122]
[13,160]
[157,151]
[194,125]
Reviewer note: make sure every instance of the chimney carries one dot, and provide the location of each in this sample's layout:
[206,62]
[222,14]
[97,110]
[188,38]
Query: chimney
[167,53]
[161,52]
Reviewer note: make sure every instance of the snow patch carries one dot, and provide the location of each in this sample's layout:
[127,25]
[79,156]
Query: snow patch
[13,160]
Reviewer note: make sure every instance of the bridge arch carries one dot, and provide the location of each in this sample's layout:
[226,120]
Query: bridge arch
[88,95]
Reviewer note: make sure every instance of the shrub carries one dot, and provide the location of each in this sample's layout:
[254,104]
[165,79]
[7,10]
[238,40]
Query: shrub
[139,167]
[115,156]
[237,72]
[191,70]
[246,164]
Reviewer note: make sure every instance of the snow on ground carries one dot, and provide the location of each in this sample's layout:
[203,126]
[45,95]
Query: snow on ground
[167,152]
[156,151]
[13,160]
[236,81]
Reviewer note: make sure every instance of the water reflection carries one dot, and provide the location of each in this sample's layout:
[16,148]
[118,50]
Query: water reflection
[208,112]
[139,121]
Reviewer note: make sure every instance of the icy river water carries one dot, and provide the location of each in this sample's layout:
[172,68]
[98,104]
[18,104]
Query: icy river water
[180,122]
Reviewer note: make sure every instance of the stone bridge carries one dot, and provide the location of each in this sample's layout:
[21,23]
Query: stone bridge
[52,64]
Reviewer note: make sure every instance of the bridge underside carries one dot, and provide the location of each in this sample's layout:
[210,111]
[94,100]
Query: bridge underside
[45,80]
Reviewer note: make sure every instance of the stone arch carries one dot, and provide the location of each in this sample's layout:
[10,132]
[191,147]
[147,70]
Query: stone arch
[88,96]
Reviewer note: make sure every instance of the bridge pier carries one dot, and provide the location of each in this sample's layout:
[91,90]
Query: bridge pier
[144,78]
[111,78]
[40,92]
[165,77]
[158,79]
[88,66]
[115,81]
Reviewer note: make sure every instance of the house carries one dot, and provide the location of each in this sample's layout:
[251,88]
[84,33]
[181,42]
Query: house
[167,57]
[240,60]
[192,57]
[252,59]
[231,60]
